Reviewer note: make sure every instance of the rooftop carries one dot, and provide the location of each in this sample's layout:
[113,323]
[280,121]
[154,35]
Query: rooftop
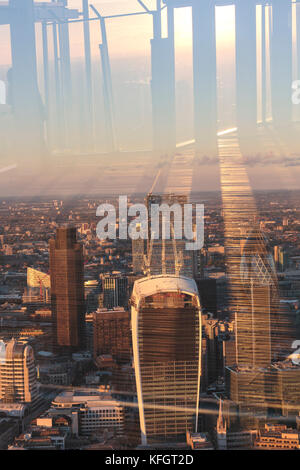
[148,286]
[92,398]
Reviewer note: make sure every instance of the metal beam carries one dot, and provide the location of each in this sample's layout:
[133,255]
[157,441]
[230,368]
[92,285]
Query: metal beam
[88,74]
[107,84]
[26,101]
[204,77]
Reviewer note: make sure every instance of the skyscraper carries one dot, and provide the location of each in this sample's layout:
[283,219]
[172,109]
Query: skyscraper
[166,337]
[18,382]
[168,256]
[114,288]
[112,333]
[67,288]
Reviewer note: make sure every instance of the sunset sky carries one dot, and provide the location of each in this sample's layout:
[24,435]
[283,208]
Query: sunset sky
[129,38]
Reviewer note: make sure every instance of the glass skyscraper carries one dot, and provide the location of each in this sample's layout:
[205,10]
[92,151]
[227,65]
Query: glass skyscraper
[166,336]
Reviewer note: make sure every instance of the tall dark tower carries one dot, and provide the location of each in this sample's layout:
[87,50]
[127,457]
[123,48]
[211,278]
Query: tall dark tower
[67,289]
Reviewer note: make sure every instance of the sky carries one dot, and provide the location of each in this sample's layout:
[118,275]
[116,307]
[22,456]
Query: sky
[129,48]
[127,36]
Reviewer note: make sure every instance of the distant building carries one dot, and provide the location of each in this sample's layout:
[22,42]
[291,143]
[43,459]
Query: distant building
[18,381]
[55,372]
[92,291]
[90,412]
[277,437]
[281,258]
[89,331]
[112,334]
[258,303]
[261,334]
[14,410]
[67,289]
[114,288]
[212,350]
[208,294]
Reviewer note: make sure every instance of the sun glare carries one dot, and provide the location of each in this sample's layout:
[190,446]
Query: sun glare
[225,30]
[225,18]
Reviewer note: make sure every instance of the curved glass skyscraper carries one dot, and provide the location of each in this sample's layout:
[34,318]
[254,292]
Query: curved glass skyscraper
[166,334]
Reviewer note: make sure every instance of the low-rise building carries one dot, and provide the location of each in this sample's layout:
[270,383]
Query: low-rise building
[41,438]
[198,441]
[91,412]
[277,437]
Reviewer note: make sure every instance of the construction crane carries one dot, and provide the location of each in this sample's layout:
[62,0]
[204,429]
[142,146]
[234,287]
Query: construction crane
[178,255]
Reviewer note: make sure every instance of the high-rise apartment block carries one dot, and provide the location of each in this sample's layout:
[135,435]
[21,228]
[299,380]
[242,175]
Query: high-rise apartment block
[112,334]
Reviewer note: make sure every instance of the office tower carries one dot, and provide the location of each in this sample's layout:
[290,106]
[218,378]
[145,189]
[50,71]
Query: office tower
[67,289]
[277,437]
[166,338]
[169,256]
[280,258]
[89,332]
[262,337]
[114,288]
[92,291]
[283,260]
[285,221]
[262,329]
[36,278]
[18,382]
[260,305]
[112,334]
[276,254]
